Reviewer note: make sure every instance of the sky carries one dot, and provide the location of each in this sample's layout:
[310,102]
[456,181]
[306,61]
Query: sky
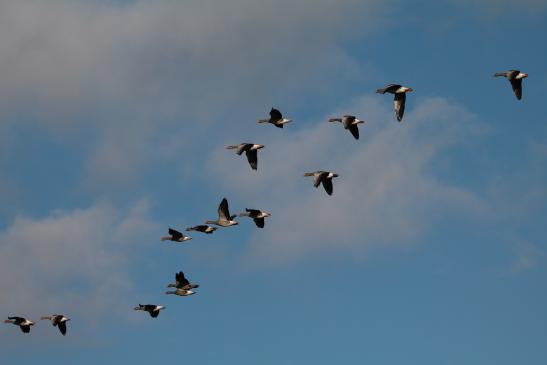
[114,117]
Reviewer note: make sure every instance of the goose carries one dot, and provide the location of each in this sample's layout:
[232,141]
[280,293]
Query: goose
[181,292]
[182,283]
[400,97]
[153,309]
[58,320]
[175,236]
[324,177]
[257,216]
[276,118]
[251,151]
[515,78]
[23,323]
[224,217]
[202,228]
[350,123]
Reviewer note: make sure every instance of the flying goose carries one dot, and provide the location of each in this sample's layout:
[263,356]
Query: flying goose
[181,292]
[182,283]
[58,320]
[257,216]
[23,323]
[175,236]
[202,228]
[515,78]
[250,150]
[276,118]
[153,309]
[400,96]
[224,217]
[324,177]
[350,123]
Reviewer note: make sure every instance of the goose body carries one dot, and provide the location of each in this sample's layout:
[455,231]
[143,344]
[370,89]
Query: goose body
[23,323]
[350,122]
[181,292]
[152,309]
[323,177]
[203,228]
[276,118]
[182,283]
[399,100]
[515,77]
[257,216]
[59,321]
[224,217]
[251,151]
[175,236]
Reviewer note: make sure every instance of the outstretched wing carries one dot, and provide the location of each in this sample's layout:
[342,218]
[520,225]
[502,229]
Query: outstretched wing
[252,157]
[517,87]
[175,234]
[318,178]
[25,329]
[275,115]
[327,184]
[62,327]
[154,313]
[223,212]
[354,130]
[181,281]
[399,105]
[259,222]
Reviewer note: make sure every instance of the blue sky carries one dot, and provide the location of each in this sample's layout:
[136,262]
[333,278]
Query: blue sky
[114,118]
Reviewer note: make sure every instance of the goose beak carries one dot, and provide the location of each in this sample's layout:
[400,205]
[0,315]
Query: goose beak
[409,89]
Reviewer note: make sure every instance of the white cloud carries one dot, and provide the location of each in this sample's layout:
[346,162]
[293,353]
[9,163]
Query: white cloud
[73,262]
[387,192]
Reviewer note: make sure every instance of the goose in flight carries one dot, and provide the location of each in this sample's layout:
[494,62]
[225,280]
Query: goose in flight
[400,97]
[23,323]
[251,151]
[182,283]
[515,78]
[323,177]
[350,123]
[59,321]
[175,236]
[153,309]
[202,228]
[224,217]
[257,216]
[276,118]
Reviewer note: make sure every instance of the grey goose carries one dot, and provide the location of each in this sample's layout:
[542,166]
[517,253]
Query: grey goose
[515,78]
[400,98]
[251,151]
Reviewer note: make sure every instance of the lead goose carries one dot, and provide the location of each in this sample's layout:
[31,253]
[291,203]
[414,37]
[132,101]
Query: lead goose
[276,118]
[203,228]
[182,283]
[515,77]
[350,123]
[224,217]
[175,236]
[400,97]
[251,151]
[152,309]
[23,323]
[59,321]
[323,177]
[257,216]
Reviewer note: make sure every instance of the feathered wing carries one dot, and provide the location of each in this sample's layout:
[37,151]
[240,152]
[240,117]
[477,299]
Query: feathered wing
[327,184]
[399,105]
[175,234]
[223,211]
[25,329]
[516,84]
[252,157]
[318,177]
[354,130]
[181,281]
[62,328]
[275,115]
[259,222]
